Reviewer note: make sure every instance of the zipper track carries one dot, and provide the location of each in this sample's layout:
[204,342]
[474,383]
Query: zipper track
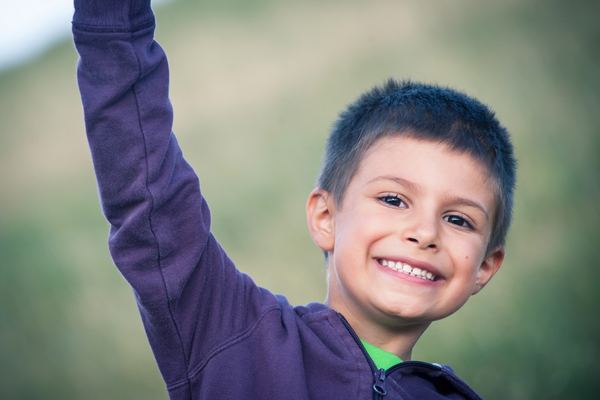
[376,395]
[381,377]
[359,343]
[434,367]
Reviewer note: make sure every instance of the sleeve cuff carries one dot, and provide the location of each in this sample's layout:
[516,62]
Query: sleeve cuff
[119,15]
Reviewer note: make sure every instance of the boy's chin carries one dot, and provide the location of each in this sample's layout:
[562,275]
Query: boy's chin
[404,319]
[411,305]
[409,315]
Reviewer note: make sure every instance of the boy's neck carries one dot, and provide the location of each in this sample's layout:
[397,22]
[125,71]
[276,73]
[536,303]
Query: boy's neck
[398,340]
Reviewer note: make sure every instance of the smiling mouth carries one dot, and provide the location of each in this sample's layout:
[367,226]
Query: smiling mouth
[407,269]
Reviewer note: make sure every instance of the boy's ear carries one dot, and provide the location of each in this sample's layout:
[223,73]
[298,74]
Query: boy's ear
[490,265]
[319,214]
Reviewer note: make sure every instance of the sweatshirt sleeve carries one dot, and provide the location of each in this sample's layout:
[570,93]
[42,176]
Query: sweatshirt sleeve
[191,298]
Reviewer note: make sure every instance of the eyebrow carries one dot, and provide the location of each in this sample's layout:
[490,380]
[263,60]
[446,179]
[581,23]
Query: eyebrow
[411,185]
[415,186]
[469,203]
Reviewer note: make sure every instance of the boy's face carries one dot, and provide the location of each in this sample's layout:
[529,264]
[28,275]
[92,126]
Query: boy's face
[420,206]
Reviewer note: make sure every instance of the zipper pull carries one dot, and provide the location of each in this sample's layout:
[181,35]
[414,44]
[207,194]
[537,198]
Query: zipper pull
[379,385]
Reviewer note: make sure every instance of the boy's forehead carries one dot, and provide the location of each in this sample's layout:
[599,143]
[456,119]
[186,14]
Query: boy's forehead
[419,161]
[436,153]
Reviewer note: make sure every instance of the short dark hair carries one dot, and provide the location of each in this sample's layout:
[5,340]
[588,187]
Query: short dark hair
[424,112]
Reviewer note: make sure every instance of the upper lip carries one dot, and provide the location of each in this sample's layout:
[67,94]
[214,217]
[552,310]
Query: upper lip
[415,264]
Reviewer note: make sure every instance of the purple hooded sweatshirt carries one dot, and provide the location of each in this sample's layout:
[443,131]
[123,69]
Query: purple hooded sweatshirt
[214,333]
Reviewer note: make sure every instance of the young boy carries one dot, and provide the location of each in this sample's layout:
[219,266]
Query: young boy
[412,207]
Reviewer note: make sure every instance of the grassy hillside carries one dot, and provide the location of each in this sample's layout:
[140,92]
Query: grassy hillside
[255,86]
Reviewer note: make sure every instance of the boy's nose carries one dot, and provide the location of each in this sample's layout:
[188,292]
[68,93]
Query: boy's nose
[423,233]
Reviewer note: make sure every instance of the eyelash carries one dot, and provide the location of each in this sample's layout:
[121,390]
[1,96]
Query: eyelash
[394,200]
[465,224]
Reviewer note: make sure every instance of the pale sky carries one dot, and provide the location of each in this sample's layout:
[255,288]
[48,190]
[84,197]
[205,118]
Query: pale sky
[28,27]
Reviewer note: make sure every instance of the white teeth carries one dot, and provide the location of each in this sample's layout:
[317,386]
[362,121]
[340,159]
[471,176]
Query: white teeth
[407,269]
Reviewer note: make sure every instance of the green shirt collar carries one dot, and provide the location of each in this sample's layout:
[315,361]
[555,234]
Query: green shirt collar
[381,358]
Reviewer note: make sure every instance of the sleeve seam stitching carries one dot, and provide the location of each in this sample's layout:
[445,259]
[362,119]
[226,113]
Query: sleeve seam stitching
[159,260]
[235,340]
[112,29]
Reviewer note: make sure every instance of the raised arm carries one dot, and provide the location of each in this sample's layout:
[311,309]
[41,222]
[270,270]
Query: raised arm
[189,293]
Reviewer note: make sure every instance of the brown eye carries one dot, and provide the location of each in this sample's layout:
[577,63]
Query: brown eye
[393,201]
[456,220]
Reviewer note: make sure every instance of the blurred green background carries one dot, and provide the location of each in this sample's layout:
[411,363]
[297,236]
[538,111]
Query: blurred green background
[256,86]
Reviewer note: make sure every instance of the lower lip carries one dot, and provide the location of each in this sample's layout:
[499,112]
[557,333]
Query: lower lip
[407,277]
